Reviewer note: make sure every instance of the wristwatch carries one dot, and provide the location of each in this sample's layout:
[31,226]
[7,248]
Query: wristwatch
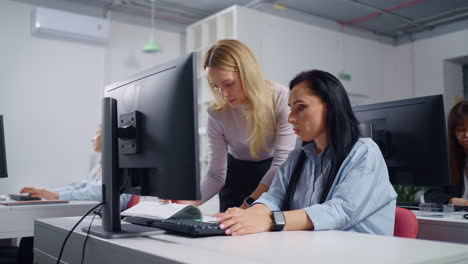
[249,200]
[277,217]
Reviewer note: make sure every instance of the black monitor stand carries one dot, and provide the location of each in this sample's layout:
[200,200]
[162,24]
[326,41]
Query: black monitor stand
[3,161]
[111,182]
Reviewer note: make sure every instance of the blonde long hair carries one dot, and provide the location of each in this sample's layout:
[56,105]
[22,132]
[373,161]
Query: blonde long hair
[234,56]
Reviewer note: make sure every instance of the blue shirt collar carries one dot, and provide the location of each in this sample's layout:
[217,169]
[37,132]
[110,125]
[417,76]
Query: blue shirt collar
[310,149]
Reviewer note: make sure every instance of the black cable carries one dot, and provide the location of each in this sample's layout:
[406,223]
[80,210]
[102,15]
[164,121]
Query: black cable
[87,235]
[71,231]
[98,212]
[79,221]
[122,187]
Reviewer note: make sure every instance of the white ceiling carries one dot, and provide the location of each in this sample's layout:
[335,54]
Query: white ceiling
[392,21]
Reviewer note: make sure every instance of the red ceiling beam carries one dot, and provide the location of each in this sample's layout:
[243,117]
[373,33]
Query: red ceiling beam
[371,15]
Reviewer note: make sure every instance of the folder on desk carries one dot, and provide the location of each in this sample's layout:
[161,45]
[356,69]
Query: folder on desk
[15,203]
[157,210]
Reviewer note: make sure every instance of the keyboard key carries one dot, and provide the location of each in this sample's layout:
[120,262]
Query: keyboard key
[188,227]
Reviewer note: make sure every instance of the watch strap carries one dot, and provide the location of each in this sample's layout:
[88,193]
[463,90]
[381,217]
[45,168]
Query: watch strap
[277,217]
[249,200]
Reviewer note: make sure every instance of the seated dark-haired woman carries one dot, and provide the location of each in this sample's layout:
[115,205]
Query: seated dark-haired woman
[456,194]
[336,181]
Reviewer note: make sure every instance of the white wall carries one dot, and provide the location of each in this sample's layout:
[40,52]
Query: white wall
[428,63]
[380,71]
[384,72]
[453,83]
[50,92]
[125,56]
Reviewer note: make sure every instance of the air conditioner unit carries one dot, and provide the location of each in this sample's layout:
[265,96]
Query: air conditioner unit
[51,22]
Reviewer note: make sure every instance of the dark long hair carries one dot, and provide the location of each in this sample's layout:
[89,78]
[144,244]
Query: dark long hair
[342,124]
[456,153]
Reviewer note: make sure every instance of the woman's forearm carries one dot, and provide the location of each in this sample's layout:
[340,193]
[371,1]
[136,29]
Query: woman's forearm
[261,188]
[297,220]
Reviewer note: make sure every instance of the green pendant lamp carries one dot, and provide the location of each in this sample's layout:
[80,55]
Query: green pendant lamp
[152,45]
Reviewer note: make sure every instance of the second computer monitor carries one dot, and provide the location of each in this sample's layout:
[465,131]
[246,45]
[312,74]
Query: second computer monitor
[158,130]
[3,163]
[412,136]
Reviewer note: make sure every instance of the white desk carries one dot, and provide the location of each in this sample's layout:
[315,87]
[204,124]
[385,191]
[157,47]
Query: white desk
[452,228]
[18,221]
[272,247]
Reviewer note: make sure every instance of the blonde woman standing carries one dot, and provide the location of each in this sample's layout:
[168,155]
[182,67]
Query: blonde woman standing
[248,132]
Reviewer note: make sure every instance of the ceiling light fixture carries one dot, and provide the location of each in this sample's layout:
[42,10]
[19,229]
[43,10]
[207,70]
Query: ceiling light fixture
[152,45]
[280,7]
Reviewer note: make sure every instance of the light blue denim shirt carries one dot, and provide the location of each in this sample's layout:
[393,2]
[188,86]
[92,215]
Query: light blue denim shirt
[88,190]
[361,198]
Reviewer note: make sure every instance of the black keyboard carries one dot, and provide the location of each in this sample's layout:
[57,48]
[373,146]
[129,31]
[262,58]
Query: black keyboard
[461,208]
[188,227]
[408,205]
[22,197]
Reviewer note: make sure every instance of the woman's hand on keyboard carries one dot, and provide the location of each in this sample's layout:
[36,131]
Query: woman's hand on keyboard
[40,193]
[236,221]
[458,201]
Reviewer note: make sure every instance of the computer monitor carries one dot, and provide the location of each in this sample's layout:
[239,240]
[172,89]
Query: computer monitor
[3,162]
[412,136]
[150,139]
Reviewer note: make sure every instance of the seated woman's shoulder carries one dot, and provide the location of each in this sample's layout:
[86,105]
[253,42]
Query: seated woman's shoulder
[364,149]
[366,145]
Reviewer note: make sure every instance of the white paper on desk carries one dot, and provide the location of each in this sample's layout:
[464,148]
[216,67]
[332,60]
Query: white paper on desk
[209,219]
[154,209]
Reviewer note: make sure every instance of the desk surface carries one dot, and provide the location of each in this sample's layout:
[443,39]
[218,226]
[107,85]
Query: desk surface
[18,221]
[455,218]
[453,228]
[272,247]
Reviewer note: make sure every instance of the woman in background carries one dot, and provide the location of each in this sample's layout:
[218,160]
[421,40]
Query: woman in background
[89,189]
[337,181]
[248,133]
[456,194]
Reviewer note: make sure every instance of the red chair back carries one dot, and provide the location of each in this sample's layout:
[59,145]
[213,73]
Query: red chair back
[134,199]
[406,223]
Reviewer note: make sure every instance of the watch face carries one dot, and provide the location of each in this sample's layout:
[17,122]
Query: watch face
[278,218]
[249,200]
